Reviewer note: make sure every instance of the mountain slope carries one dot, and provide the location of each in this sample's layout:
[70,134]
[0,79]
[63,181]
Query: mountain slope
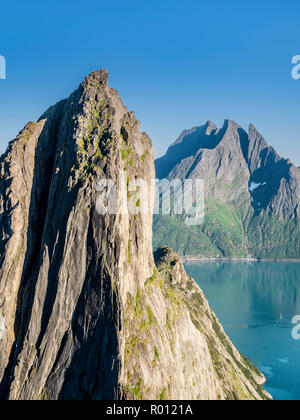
[251,195]
[88,314]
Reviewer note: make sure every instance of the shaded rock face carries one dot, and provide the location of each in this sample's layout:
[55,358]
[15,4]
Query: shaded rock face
[246,182]
[87,313]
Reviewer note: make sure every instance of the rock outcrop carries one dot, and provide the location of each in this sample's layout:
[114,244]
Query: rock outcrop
[251,195]
[87,313]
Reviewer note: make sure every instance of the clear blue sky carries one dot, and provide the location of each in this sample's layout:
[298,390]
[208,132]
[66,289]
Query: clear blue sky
[176,63]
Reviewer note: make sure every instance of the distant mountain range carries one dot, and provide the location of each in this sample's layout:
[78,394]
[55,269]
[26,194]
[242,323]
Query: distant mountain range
[251,195]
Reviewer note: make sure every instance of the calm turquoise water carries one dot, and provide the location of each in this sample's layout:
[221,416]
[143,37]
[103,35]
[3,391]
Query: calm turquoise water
[256,303]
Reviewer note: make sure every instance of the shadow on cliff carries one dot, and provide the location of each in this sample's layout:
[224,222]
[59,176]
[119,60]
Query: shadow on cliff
[93,371]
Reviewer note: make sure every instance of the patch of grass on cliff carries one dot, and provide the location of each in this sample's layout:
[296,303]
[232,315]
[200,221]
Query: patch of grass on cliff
[137,390]
[143,157]
[154,280]
[150,315]
[138,309]
[163,394]
[156,356]
[173,296]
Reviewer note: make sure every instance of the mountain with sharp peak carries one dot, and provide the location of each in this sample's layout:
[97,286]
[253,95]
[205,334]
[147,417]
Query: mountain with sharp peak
[251,195]
[87,311]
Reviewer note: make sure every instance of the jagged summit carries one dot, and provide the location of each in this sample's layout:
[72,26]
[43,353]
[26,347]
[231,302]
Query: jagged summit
[191,142]
[246,180]
[98,76]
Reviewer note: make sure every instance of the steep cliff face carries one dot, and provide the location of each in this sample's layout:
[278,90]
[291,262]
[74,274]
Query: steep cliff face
[251,195]
[87,313]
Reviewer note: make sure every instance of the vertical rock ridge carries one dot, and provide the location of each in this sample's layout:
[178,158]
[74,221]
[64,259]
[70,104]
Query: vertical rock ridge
[88,314]
[24,198]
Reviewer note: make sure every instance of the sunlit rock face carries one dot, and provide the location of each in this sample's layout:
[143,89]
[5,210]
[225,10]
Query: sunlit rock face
[87,313]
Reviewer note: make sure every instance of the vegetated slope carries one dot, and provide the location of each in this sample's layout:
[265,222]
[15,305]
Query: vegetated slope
[87,313]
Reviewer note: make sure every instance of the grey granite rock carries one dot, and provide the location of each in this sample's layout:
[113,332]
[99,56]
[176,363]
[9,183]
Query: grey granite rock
[87,313]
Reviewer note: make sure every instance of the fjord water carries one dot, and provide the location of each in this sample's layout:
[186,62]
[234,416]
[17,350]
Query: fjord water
[256,303]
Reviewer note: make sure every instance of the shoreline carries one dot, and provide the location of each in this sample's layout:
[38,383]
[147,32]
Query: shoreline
[214,259]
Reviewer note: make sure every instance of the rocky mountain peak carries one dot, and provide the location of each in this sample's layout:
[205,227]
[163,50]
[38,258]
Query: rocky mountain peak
[230,125]
[98,77]
[254,131]
[87,313]
[240,171]
[211,127]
